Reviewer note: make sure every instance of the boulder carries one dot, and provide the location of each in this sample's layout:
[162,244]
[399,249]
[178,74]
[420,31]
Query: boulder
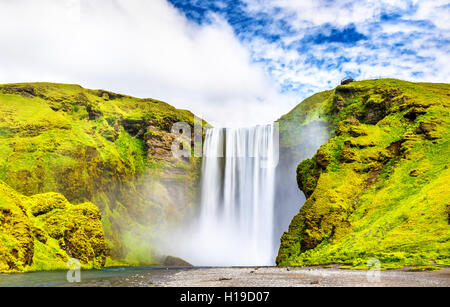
[172,261]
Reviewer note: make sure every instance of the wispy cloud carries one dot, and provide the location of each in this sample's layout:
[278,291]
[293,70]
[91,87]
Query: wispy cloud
[310,45]
[228,60]
[137,47]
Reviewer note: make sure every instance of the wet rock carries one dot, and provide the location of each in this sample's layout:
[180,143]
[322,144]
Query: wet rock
[356,143]
[338,103]
[346,91]
[427,129]
[135,127]
[322,159]
[176,262]
[159,145]
[92,113]
[375,112]
[415,112]
[395,148]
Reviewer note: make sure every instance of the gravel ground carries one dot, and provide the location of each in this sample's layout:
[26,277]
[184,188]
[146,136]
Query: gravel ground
[304,277]
[232,277]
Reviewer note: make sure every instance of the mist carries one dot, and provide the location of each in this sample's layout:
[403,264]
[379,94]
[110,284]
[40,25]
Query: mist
[212,236]
[288,197]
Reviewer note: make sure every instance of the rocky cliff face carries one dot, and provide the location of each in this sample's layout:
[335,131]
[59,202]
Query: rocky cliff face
[378,187]
[44,231]
[302,132]
[96,146]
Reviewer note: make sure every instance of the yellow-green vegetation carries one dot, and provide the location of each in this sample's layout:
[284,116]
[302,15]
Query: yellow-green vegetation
[96,146]
[379,188]
[44,231]
[422,268]
[309,115]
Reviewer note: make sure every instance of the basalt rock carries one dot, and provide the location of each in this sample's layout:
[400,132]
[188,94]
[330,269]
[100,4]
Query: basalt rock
[172,261]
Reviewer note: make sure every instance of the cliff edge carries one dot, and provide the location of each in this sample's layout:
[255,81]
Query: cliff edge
[378,188]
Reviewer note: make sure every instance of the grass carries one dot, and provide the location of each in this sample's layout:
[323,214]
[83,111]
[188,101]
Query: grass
[75,141]
[383,193]
[44,231]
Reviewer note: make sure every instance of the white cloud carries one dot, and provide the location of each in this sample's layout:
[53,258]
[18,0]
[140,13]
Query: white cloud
[414,47]
[137,47]
[435,10]
[149,49]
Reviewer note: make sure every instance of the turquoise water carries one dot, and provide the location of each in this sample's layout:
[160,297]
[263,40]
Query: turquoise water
[119,277]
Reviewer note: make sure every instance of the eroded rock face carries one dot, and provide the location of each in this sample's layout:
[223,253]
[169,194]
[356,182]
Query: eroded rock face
[428,129]
[94,146]
[347,81]
[382,159]
[159,145]
[21,89]
[17,245]
[322,159]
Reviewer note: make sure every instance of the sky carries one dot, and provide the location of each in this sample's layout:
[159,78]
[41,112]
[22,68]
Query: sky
[232,62]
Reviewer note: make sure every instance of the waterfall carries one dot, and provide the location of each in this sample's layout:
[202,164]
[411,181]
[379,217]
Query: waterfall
[235,223]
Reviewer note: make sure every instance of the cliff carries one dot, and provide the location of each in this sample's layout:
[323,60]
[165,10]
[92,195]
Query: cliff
[44,231]
[91,146]
[378,188]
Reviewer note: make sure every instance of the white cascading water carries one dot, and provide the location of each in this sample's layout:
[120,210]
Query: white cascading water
[235,226]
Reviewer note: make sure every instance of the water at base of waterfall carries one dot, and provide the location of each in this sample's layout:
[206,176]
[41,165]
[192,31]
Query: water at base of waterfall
[235,224]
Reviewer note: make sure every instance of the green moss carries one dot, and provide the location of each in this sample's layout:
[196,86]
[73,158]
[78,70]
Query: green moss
[132,152]
[114,263]
[307,175]
[91,146]
[377,189]
[43,231]
[425,268]
[306,116]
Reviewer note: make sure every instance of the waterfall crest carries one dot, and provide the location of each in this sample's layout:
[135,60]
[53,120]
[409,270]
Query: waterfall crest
[235,225]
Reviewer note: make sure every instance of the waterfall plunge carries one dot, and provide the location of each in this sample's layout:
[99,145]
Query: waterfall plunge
[235,223]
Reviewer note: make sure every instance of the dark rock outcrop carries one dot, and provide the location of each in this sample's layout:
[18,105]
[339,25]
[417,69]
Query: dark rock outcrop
[172,261]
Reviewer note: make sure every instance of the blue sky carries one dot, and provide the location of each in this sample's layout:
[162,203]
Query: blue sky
[361,39]
[231,62]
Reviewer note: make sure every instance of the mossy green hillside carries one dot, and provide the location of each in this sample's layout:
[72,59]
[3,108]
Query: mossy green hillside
[379,187]
[308,117]
[96,146]
[44,231]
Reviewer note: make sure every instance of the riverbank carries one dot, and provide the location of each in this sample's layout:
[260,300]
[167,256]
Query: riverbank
[306,277]
[235,277]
